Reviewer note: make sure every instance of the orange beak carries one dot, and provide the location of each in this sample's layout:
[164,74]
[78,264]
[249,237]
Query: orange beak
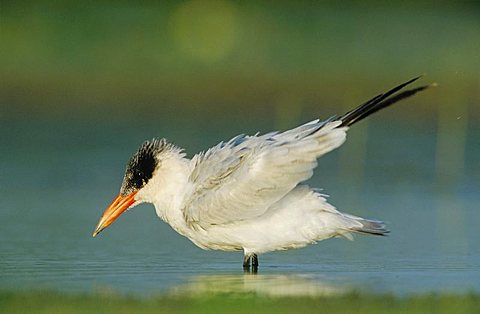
[116,208]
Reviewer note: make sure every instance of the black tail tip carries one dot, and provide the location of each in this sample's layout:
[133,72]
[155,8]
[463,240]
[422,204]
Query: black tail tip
[382,101]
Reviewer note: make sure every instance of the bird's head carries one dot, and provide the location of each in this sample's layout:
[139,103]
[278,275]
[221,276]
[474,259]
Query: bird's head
[141,168]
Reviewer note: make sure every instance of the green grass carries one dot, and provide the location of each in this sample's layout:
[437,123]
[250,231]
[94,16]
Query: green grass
[51,302]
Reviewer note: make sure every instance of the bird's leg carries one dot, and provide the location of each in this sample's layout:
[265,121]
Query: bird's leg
[246,262]
[254,262]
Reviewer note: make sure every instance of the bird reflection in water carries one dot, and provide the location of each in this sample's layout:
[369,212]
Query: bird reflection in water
[272,285]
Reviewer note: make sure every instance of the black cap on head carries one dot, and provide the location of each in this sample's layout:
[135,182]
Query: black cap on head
[141,165]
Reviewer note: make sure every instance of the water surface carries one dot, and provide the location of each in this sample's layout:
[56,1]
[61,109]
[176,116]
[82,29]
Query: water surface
[57,178]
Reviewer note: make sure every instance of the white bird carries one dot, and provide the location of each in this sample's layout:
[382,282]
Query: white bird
[248,193]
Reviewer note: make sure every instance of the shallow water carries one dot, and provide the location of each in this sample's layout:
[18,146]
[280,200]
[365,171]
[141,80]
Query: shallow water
[57,177]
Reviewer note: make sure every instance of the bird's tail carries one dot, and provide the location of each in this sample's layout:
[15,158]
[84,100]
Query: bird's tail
[365,226]
[374,227]
[379,102]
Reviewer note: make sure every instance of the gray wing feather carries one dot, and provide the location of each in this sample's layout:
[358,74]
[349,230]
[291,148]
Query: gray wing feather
[242,178]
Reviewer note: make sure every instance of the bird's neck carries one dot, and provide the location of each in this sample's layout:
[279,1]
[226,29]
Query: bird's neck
[166,190]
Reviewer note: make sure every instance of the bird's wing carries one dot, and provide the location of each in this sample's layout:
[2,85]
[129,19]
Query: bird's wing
[242,178]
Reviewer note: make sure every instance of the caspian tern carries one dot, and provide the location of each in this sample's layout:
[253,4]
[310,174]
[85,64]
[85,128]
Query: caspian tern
[247,194]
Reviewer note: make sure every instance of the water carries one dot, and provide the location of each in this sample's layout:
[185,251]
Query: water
[58,176]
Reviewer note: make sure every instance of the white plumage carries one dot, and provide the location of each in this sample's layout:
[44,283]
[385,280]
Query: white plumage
[248,193]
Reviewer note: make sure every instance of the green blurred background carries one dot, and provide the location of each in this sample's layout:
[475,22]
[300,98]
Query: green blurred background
[215,57]
[82,84]
[240,66]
